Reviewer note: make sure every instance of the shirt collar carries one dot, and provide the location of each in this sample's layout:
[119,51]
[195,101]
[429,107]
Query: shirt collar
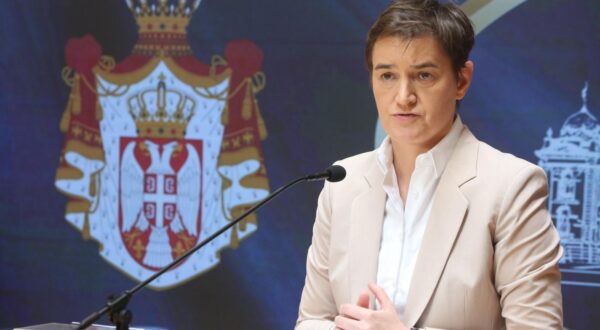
[439,154]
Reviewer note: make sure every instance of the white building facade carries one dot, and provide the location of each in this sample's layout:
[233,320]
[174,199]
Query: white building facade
[572,163]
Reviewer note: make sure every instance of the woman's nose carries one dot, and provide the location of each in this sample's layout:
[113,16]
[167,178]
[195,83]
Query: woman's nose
[405,95]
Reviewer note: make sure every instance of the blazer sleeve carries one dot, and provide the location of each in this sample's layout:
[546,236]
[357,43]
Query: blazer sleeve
[317,306]
[527,252]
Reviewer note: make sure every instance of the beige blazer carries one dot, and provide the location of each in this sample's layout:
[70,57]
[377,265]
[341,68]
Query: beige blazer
[489,256]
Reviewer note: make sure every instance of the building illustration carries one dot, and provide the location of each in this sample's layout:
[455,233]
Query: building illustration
[572,163]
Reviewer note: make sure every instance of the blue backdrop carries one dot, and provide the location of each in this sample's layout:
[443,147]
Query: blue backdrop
[531,65]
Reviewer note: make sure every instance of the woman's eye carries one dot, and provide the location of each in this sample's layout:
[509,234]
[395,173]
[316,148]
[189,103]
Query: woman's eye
[387,76]
[425,75]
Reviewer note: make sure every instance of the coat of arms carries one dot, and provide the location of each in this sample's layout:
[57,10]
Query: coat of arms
[161,149]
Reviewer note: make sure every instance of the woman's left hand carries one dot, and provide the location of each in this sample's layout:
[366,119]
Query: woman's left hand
[360,317]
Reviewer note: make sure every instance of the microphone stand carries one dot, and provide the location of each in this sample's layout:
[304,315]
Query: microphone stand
[116,307]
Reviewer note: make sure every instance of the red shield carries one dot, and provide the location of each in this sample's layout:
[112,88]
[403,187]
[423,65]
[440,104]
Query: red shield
[155,187]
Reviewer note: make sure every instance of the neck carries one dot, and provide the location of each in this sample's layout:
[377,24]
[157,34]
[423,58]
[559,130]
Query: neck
[405,156]
[404,165]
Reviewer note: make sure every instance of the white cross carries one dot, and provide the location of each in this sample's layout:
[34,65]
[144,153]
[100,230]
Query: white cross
[159,198]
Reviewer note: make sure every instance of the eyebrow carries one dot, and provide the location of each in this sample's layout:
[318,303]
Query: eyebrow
[414,66]
[424,65]
[384,66]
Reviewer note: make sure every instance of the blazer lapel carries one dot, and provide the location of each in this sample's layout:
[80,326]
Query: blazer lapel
[365,233]
[447,215]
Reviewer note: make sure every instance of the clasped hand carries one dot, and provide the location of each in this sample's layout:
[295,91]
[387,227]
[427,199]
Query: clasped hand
[360,317]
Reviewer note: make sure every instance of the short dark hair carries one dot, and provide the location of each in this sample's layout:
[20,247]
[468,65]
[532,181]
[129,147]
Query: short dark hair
[415,18]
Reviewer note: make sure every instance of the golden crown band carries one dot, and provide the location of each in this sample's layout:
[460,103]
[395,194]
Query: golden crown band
[170,130]
[162,24]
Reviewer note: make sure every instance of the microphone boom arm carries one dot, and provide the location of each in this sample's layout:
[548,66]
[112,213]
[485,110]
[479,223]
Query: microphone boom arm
[117,306]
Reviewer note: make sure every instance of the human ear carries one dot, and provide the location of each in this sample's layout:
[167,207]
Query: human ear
[465,74]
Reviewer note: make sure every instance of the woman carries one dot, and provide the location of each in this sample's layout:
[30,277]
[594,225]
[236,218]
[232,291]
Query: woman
[444,230]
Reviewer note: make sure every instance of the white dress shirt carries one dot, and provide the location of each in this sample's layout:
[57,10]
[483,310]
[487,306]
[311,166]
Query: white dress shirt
[404,225]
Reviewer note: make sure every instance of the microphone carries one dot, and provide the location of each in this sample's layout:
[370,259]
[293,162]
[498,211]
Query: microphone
[333,173]
[116,306]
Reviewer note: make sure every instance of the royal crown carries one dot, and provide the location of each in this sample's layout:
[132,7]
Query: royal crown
[162,26]
[161,113]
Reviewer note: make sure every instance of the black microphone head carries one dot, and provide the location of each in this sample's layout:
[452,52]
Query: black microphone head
[336,173]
